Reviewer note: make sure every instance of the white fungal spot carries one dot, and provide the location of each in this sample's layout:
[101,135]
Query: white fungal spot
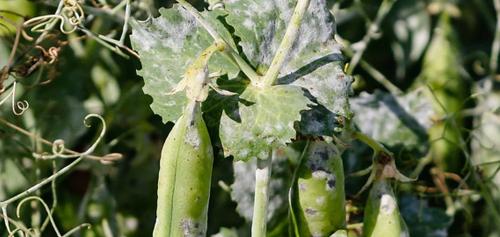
[193,228]
[262,155]
[248,23]
[320,200]
[320,174]
[193,137]
[387,204]
[244,152]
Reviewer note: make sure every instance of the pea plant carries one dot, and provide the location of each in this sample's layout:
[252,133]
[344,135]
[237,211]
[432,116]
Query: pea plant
[272,118]
[263,76]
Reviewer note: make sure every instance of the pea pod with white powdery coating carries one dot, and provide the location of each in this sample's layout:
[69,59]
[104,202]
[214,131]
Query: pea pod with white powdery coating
[186,161]
[382,216]
[319,195]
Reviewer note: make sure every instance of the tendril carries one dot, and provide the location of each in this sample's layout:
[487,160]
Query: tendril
[71,13]
[77,228]
[45,206]
[60,151]
[18,107]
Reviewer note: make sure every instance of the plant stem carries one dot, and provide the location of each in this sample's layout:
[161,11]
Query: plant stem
[232,53]
[495,48]
[125,23]
[291,193]
[377,75]
[44,141]
[372,31]
[42,183]
[286,44]
[376,146]
[262,177]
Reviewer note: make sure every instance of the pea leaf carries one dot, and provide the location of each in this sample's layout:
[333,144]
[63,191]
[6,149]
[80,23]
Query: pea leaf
[318,121]
[167,45]
[315,55]
[422,219]
[485,146]
[264,120]
[394,121]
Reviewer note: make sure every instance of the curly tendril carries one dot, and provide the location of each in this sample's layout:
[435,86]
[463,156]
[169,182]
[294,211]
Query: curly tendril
[60,151]
[45,206]
[57,148]
[18,107]
[71,14]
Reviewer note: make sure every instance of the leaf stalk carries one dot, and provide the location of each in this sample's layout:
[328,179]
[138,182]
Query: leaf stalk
[262,178]
[286,44]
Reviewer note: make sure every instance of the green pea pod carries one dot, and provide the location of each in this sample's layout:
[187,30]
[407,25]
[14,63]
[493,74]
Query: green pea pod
[185,177]
[382,217]
[447,91]
[187,159]
[320,194]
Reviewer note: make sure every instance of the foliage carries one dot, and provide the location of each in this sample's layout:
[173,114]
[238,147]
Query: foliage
[395,88]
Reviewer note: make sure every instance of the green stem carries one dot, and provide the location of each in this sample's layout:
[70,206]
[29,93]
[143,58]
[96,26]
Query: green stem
[376,146]
[262,178]
[377,75]
[42,183]
[125,23]
[495,48]
[232,53]
[291,193]
[286,44]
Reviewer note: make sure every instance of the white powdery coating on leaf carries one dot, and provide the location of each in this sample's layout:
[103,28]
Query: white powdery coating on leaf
[242,189]
[142,38]
[176,32]
[386,114]
[316,32]
[248,23]
[268,45]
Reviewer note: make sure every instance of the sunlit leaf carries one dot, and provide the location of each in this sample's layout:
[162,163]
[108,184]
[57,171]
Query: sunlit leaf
[167,45]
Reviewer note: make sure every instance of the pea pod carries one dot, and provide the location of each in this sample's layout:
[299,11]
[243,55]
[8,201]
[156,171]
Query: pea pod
[447,91]
[184,180]
[186,160]
[320,195]
[382,217]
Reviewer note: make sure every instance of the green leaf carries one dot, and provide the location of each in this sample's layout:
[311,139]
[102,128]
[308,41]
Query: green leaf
[314,63]
[485,148]
[394,121]
[319,121]
[167,45]
[422,219]
[264,121]
[216,104]
[486,133]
